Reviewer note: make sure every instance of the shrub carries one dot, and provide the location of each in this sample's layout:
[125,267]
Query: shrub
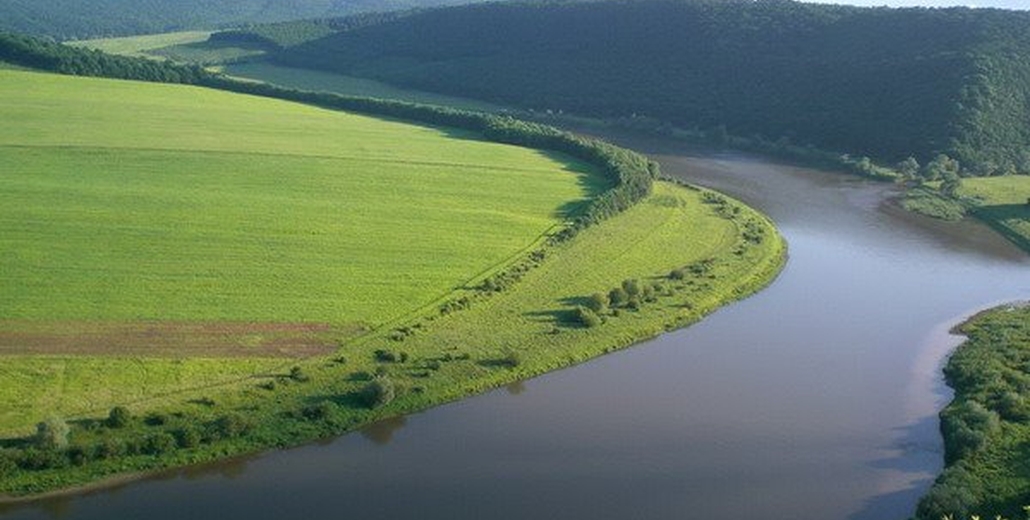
[8,463]
[52,434]
[155,419]
[297,374]
[159,443]
[229,426]
[78,455]
[632,287]
[587,317]
[678,274]
[118,417]
[618,297]
[511,359]
[109,448]
[379,392]
[188,437]
[319,411]
[38,459]
[597,302]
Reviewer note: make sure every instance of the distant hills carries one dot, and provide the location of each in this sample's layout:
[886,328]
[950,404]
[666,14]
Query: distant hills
[889,83]
[77,19]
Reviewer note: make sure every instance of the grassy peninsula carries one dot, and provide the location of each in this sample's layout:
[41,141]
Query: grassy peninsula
[986,427]
[193,281]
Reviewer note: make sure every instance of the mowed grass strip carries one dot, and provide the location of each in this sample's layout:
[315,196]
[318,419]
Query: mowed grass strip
[153,202]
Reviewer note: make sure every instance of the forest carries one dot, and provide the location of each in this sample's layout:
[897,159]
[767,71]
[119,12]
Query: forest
[70,19]
[887,83]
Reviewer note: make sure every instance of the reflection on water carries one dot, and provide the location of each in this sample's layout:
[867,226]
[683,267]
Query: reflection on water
[516,388]
[815,399]
[381,433]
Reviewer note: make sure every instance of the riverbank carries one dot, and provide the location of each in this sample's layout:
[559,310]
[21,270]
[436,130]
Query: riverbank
[687,251]
[986,427]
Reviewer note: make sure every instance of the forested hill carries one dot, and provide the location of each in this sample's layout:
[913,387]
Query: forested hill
[889,83]
[76,19]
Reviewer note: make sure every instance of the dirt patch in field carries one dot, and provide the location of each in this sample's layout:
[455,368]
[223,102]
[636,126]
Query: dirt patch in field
[173,339]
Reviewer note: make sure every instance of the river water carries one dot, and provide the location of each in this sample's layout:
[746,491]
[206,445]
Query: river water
[815,399]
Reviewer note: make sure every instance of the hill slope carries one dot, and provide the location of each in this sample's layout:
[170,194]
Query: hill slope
[883,82]
[75,19]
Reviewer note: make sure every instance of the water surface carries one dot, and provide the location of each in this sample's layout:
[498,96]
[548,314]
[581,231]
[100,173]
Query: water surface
[815,399]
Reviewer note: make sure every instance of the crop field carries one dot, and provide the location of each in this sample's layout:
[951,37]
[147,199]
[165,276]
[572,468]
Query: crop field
[141,45]
[1004,203]
[136,217]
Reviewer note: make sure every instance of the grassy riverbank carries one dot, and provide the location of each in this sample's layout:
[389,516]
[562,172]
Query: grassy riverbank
[474,291]
[986,427]
[1003,203]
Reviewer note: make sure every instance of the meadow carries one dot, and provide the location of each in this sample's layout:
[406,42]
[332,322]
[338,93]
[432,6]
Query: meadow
[141,45]
[240,272]
[1003,203]
[155,204]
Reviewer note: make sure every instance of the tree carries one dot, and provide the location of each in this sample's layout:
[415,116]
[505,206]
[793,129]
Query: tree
[909,168]
[378,393]
[631,286]
[587,317]
[941,167]
[618,297]
[52,434]
[597,302]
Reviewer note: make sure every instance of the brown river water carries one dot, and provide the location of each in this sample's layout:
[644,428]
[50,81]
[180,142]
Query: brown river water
[815,399]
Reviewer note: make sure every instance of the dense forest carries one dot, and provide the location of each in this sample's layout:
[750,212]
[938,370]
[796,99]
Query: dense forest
[78,19]
[889,83]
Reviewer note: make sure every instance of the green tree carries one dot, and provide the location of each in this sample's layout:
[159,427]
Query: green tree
[598,302]
[909,168]
[118,417]
[52,433]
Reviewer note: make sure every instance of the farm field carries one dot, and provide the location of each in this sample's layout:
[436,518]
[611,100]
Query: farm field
[1003,203]
[142,45]
[154,208]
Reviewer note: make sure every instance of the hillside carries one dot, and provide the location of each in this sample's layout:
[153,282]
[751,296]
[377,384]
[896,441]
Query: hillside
[76,19]
[888,83]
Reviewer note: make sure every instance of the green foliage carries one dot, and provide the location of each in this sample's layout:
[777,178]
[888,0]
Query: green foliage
[159,443]
[229,426]
[618,297]
[888,83]
[379,392]
[118,417]
[598,303]
[587,317]
[297,374]
[985,429]
[52,434]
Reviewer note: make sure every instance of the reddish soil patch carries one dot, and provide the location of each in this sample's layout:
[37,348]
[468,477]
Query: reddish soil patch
[172,339]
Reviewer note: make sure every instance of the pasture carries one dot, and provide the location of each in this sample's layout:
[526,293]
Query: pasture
[125,203]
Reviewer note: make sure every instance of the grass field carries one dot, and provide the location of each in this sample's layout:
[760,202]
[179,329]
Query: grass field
[155,203]
[142,45]
[1003,203]
[305,79]
[241,272]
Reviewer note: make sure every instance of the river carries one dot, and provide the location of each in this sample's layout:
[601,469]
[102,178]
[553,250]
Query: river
[815,399]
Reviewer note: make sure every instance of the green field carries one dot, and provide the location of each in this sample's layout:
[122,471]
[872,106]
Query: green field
[1003,203]
[143,44]
[987,426]
[154,203]
[239,271]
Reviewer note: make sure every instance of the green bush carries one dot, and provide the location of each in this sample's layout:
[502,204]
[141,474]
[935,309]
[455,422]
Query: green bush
[598,302]
[118,417]
[188,437]
[52,434]
[379,392]
[297,374]
[618,297]
[587,317]
[159,443]
[229,426]
[319,411]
